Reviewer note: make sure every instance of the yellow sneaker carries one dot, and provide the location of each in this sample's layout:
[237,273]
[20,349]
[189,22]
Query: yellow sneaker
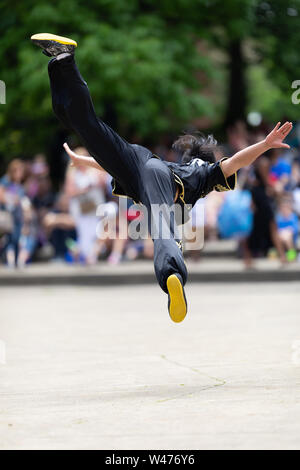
[177,304]
[53,45]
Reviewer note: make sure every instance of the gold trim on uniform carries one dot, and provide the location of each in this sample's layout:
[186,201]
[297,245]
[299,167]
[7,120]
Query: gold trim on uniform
[178,181]
[179,244]
[121,195]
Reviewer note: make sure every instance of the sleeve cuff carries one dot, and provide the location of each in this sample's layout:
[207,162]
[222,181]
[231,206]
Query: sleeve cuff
[227,183]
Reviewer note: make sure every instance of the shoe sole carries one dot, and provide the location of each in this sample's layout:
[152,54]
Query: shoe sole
[177,305]
[44,37]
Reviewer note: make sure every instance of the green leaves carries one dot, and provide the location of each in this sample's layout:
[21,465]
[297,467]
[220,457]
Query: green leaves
[134,56]
[156,65]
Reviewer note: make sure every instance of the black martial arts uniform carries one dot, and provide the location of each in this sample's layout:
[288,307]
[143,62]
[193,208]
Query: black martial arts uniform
[136,172]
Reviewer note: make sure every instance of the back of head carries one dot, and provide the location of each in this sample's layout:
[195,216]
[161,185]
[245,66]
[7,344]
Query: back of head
[196,146]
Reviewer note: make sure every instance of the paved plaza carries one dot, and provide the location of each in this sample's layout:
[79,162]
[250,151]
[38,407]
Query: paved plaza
[105,368]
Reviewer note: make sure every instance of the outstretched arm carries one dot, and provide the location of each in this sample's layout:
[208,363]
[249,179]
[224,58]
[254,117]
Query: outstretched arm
[248,155]
[80,159]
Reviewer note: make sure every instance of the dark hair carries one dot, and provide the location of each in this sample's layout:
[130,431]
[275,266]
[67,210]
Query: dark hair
[196,146]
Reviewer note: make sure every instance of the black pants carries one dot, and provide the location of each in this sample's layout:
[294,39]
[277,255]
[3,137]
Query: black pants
[145,178]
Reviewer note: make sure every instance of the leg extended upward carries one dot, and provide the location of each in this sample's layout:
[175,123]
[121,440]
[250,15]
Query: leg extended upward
[143,177]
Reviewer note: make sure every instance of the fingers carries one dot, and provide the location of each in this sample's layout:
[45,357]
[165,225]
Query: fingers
[285,146]
[66,147]
[285,129]
[68,150]
[289,128]
[276,127]
[71,154]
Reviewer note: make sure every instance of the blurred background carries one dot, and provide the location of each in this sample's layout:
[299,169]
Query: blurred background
[154,69]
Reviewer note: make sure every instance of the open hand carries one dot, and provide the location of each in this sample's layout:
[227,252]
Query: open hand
[278,134]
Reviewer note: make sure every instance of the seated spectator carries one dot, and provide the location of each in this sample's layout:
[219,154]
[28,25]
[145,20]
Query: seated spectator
[28,237]
[296,186]
[112,246]
[59,227]
[280,173]
[13,196]
[40,190]
[287,223]
[6,222]
[85,188]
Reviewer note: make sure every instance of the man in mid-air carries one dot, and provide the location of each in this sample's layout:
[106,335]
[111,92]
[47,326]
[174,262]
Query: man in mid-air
[139,174]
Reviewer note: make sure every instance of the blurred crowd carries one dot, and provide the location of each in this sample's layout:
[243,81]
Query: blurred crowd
[38,223]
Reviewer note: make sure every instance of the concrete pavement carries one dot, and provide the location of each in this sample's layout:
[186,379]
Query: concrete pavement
[105,368]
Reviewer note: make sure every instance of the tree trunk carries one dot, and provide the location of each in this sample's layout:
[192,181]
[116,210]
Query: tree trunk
[237,93]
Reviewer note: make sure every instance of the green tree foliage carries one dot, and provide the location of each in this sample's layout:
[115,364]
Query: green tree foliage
[256,35]
[145,63]
[141,68]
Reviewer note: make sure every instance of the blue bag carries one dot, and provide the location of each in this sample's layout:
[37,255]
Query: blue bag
[235,218]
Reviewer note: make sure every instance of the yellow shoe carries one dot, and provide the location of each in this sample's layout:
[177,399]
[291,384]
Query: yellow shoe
[53,45]
[177,302]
